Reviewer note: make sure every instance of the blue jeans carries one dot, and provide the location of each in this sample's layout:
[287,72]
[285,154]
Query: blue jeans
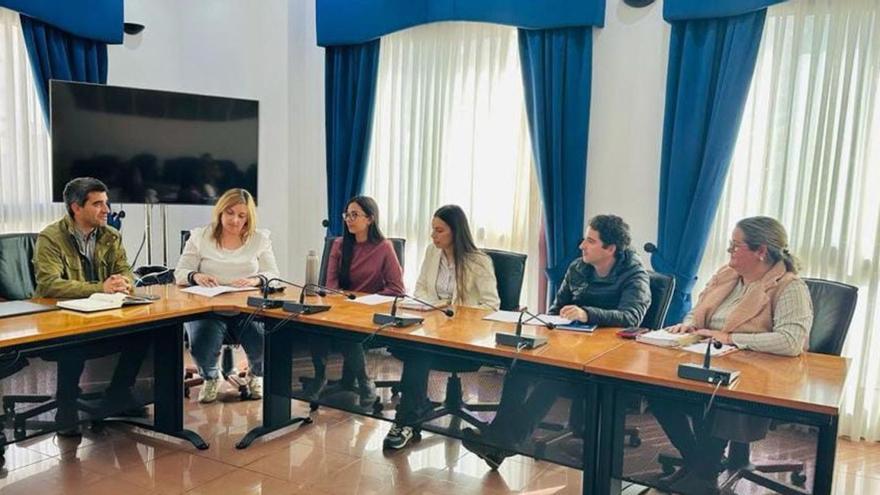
[206,339]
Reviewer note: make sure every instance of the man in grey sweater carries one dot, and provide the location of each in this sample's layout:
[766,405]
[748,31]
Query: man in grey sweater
[607,286]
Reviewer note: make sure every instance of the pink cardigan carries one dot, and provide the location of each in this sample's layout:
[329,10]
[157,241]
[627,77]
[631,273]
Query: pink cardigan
[374,268]
[754,313]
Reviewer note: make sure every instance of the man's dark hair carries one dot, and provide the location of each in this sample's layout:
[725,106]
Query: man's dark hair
[77,191]
[612,230]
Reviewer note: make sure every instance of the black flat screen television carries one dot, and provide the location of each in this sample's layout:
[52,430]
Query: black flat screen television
[153,146]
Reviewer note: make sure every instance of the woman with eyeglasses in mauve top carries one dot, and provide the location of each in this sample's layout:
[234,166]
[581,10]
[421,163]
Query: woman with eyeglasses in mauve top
[362,260]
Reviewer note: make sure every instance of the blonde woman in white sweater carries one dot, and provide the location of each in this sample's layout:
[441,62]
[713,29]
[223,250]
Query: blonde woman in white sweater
[229,251]
[454,271]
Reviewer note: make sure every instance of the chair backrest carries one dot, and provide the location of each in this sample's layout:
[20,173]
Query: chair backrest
[184,236]
[662,287]
[399,249]
[833,306]
[510,269]
[17,277]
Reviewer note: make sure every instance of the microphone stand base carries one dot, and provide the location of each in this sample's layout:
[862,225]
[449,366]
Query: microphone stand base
[523,341]
[396,321]
[264,303]
[712,376]
[305,309]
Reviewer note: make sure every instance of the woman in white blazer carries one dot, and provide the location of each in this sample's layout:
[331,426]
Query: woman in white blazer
[453,271]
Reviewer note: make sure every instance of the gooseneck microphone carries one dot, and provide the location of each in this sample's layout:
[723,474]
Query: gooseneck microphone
[391,319]
[520,341]
[264,302]
[706,373]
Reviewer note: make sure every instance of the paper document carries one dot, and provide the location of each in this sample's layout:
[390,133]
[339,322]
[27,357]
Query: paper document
[214,291]
[700,348]
[374,299]
[410,304]
[513,317]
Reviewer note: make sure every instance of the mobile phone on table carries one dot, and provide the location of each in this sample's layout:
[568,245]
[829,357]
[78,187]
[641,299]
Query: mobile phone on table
[631,332]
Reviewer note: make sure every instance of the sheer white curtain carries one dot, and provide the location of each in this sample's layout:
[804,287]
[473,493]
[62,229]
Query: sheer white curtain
[808,154]
[450,127]
[25,175]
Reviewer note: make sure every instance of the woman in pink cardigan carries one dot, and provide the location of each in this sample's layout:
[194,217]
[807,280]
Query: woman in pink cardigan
[362,260]
[755,302]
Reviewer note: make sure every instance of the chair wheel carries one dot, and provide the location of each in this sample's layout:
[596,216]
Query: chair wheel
[798,478]
[634,441]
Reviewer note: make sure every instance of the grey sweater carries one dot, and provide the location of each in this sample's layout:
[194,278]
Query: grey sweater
[619,300]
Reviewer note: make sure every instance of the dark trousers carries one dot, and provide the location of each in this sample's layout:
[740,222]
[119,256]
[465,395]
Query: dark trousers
[691,434]
[525,400]
[354,365]
[71,363]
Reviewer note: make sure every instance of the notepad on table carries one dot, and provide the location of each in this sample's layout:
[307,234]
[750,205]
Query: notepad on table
[663,338]
[374,299]
[100,302]
[577,326]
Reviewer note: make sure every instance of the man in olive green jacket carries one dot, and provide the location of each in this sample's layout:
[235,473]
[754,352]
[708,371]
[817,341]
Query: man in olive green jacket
[75,257]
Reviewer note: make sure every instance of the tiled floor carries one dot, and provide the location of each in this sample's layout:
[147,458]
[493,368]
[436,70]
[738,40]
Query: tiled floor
[337,454]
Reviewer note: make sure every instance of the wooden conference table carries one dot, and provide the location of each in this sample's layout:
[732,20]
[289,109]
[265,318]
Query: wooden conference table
[806,389]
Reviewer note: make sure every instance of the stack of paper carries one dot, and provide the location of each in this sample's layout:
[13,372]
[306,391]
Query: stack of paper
[100,302]
[214,291]
[663,338]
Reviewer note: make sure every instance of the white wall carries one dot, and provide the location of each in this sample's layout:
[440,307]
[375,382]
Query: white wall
[626,119]
[266,50]
[230,48]
[308,185]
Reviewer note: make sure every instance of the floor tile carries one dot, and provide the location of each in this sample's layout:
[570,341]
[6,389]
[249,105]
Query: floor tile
[175,473]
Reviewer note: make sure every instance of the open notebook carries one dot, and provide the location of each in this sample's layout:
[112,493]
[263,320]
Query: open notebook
[100,302]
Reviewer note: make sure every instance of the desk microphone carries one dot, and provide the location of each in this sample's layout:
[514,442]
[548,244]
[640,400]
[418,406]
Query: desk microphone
[391,319]
[303,308]
[706,373]
[386,320]
[520,341]
[264,302]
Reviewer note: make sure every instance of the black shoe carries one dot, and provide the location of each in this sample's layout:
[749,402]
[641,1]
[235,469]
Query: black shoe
[399,436]
[475,443]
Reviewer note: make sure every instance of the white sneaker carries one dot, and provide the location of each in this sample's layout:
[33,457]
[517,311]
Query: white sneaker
[209,391]
[255,387]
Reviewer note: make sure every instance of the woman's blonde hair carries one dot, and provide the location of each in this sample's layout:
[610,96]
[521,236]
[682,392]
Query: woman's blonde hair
[229,199]
[767,231]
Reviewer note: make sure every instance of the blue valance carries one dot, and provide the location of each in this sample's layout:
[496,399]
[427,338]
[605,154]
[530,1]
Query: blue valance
[680,10]
[97,20]
[349,22]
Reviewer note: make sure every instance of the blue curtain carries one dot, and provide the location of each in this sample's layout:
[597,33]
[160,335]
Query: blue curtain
[55,54]
[347,22]
[99,20]
[711,62]
[350,91]
[557,74]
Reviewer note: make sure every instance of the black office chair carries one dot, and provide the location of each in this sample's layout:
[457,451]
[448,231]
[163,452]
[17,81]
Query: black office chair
[834,304]
[18,282]
[662,286]
[399,245]
[399,249]
[228,371]
[509,273]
